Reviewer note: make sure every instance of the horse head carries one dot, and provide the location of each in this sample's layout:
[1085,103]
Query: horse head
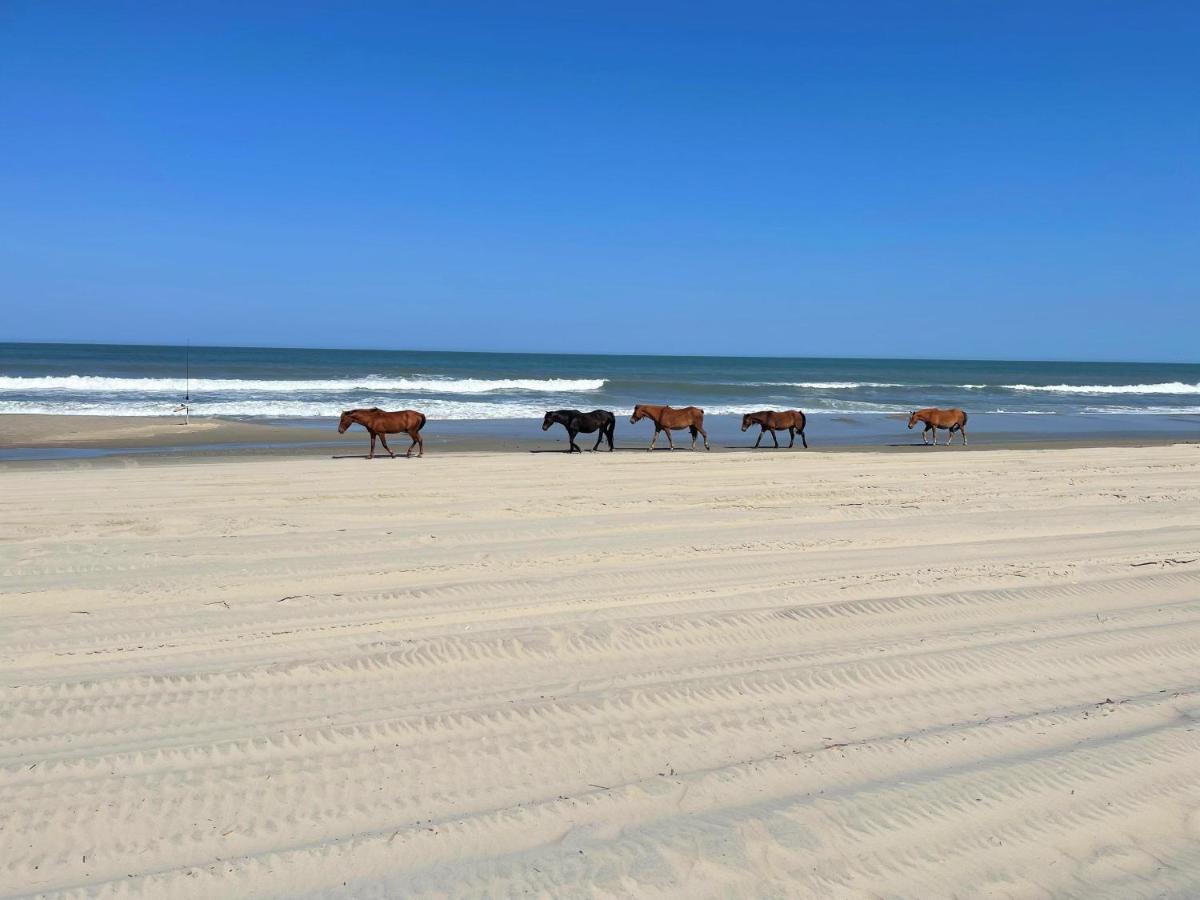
[345,421]
[644,411]
[748,419]
[913,419]
[548,421]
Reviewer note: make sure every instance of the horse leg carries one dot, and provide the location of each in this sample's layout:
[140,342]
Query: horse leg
[383,439]
[803,439]
[654,440]
[692,429]
[608,434]
[705,433]
[963,431]
[761,432]
[774,438]
[791,437]
[371,455]
[925,434]
[670,440]
[571,440]
[414,435]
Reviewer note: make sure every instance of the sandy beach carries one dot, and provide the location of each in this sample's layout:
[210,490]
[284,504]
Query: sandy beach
[949,673]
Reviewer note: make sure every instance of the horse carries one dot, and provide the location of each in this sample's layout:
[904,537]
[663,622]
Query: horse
[950,419]
[769,420]
[576,422]
[667,419]
[380,424]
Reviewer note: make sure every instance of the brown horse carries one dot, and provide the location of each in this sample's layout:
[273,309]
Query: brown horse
[770,420]
[667,419]
[950,419]
[380,424]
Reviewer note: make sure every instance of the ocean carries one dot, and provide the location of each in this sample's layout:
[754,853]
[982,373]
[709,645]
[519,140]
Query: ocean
[311,384]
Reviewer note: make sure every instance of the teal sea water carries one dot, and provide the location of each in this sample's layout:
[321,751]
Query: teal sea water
[306,384]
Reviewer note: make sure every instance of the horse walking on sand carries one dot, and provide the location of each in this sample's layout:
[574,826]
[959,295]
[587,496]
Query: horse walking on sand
[380,424]
[950,419]
[576,422]
[667,419]
[770,420]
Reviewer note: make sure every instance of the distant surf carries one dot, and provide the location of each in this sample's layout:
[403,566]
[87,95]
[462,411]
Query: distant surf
[98,384]
[1171,387]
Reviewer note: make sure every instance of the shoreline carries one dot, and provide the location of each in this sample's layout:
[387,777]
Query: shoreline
[45,439]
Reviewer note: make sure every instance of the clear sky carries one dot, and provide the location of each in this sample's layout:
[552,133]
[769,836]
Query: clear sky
[952,179]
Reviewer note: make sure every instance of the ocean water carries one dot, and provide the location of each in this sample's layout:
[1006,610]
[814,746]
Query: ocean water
[310,384]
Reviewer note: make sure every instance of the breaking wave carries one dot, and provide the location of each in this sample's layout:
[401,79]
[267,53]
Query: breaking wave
[1167,387]
[96,384]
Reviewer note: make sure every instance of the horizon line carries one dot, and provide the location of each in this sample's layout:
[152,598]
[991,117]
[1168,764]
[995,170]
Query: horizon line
[193,346]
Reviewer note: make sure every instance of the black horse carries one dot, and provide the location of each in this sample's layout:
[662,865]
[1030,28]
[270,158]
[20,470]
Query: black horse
[577,422]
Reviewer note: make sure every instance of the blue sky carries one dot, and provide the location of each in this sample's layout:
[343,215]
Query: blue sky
[963,179]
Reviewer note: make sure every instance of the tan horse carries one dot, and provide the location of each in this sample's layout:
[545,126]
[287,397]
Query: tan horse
[950,419]
[380,424]
[791,420]
[667,419]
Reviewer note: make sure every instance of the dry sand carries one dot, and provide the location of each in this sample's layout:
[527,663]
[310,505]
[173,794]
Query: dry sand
[841,675]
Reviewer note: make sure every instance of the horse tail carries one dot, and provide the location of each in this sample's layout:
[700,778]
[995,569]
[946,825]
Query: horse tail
[423,420]
[964,421]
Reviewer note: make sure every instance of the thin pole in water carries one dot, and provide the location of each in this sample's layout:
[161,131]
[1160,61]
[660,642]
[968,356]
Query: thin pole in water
[187,383]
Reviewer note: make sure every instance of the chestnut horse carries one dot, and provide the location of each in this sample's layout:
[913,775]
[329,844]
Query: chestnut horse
[380,424]
[950,419]
[769,420]
[667,419]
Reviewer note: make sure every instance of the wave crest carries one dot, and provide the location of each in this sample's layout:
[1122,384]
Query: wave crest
[418,384]
[1166,387]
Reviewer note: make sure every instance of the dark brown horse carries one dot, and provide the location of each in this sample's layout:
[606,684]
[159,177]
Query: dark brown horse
[950,419]
[771,420]
[576,422]
[667,419]
[380,424]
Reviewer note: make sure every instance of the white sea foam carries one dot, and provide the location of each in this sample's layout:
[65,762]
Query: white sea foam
[283,409]
[1141,410]
[97,384]
[1166,387]
[827,385]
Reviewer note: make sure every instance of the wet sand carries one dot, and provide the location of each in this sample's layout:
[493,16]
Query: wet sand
[153,440]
